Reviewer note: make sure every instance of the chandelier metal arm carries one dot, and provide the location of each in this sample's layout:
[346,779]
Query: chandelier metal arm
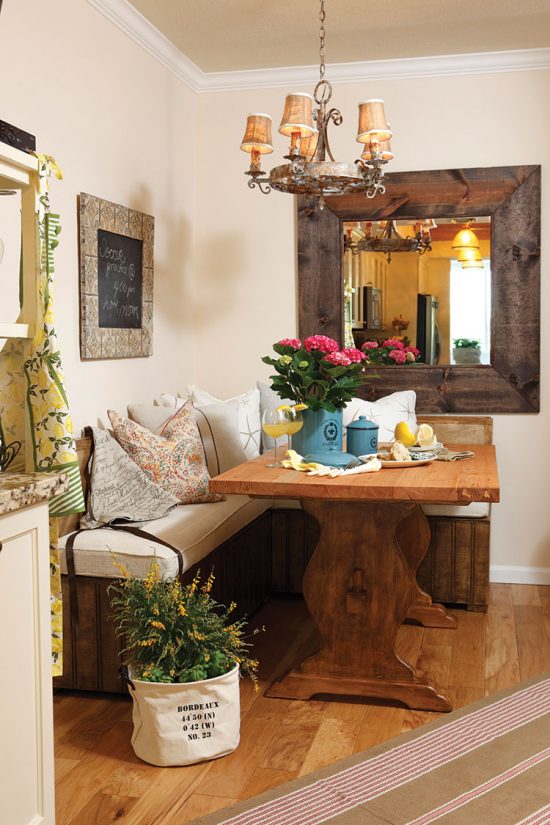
[263,184]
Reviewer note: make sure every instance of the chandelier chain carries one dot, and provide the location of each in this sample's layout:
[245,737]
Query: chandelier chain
[322,15]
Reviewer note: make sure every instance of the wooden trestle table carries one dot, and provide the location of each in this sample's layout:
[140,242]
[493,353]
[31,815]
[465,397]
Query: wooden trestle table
[360,584]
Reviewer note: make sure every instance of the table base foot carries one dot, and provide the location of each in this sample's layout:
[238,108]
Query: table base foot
[417,695]
[431,615]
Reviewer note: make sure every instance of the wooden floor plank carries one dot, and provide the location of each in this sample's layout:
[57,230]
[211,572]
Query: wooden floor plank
[532,640]
[94,768]
[63,767]
[100,780]
[334,739]
[263,779]
[195,806]
[234,771]
[468,657]
[526,594]
[104,809]
[501,650]
[379,724]
[500,593]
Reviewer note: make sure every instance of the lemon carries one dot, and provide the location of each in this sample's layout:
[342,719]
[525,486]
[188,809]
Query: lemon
[284,407]
[425,436]
[299,407]
[404,434]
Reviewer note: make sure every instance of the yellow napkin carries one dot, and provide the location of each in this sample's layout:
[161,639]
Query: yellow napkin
[296,462]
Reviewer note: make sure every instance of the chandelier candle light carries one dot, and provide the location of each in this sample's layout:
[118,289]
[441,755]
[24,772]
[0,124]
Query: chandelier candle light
[305,121]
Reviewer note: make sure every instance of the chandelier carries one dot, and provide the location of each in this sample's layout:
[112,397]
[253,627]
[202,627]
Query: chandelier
[305,120]
[390,240]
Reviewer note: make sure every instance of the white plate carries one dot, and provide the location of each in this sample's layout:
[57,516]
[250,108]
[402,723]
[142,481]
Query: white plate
[400,464]
[388,444]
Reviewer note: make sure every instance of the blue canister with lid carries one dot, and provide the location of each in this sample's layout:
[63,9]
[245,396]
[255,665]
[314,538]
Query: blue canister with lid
[362,436]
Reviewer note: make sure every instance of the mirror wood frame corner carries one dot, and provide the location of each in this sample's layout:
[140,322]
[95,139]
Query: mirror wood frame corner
[511,196]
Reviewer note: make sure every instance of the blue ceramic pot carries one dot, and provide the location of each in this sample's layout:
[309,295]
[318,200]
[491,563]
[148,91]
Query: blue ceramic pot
[322,431]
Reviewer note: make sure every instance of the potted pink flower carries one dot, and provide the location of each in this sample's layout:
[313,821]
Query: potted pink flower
[390,352]
[317,373]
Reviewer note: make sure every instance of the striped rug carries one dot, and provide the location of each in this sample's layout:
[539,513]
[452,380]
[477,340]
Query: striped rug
[486,764]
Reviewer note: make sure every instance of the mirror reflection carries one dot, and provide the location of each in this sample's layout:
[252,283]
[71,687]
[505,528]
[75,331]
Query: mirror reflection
[10,254]
[426,284]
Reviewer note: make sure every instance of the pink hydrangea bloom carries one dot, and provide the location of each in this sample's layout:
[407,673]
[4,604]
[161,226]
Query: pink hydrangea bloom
[393,343]
[295,343]
[369,345]
[321,342]
[339,359]
[355,355]
[414,350]
[398,355]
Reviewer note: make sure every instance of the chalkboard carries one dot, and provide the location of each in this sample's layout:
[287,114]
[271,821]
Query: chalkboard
[120,280]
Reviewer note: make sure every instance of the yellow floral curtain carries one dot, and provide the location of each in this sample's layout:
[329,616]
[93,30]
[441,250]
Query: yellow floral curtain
[31,381]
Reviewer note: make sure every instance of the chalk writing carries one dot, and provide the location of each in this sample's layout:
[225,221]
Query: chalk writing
[120,280]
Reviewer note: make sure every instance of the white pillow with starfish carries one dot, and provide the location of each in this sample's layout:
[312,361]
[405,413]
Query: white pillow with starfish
[250,426]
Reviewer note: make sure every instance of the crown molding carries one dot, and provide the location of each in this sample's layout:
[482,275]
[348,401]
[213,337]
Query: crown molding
[142,32]
[132,23]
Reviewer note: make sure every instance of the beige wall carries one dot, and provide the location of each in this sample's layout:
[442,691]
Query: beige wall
[246,246]
[124,128]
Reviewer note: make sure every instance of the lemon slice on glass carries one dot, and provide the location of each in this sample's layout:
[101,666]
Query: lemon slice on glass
[425,436]
[299,407]
[283,407]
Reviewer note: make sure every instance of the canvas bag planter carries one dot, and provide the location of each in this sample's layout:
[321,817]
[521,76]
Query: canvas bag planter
[187,722]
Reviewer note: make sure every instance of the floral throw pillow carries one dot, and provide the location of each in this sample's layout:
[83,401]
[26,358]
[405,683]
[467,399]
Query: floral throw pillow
[174,459]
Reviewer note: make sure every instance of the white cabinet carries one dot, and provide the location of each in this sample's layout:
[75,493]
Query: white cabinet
[26,726]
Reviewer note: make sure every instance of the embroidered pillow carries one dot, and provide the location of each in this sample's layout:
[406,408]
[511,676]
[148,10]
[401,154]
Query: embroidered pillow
[174,459]
[386,412]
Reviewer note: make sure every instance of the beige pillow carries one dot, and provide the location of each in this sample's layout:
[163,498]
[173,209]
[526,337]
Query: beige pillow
[174,459]
[218,428]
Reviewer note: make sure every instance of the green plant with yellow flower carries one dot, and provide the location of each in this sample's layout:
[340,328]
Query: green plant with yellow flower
[175,632]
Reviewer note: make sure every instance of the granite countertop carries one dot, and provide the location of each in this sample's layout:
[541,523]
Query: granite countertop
[19,490]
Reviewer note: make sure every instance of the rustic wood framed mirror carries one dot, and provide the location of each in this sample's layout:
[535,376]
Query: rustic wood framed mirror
[510,197]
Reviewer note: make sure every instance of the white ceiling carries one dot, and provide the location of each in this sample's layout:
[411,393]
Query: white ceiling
[228,35]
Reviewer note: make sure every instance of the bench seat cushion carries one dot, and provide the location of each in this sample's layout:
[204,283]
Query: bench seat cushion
[195,529]
[477,509]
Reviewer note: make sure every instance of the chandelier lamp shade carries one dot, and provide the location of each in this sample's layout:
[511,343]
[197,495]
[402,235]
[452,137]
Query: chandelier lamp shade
[465,239]
[466,245]
[312,169]
[468,254]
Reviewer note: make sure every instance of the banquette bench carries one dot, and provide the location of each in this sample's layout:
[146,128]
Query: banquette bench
[264,551]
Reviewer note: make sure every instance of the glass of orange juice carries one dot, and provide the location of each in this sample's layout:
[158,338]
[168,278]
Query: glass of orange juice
[274,424]
[294,423]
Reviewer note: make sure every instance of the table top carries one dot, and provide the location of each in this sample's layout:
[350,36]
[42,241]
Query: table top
[441,482]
